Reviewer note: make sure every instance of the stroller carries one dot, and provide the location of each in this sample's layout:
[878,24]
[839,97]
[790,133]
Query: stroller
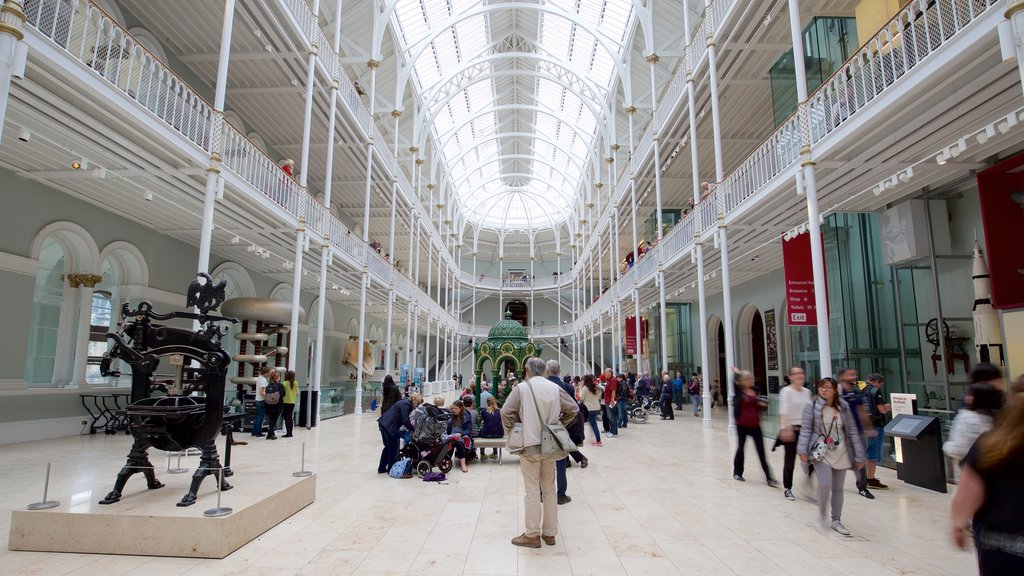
[430,446]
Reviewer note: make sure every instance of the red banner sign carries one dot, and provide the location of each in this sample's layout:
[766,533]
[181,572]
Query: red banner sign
[796,257]
[1001,189]
[631,335]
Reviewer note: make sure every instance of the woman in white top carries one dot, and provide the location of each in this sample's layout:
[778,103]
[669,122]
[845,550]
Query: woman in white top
[982,403]
[792,401]
[830,420]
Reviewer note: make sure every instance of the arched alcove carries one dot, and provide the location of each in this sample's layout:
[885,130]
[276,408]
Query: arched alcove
[62,249]
[240,284]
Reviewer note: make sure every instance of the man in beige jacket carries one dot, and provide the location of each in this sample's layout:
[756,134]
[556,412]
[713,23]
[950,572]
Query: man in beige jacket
[538,472]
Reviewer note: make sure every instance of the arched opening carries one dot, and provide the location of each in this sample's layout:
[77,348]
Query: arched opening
[716,373]
[47,299]
[58,336]
[507,368]
[723,370]
[759,365]
[518,310]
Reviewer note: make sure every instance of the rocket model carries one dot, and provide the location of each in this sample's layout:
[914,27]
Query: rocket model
[987,339]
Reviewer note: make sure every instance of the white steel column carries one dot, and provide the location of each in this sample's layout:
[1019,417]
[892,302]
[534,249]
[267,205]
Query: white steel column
[653,59]
[396,114]
[699,249]
[472,304]
[12,18]
[811,194]
[308,111]
[213,172]
[723,236]
[635,248]
[293,334]
[426,348]
[315,383]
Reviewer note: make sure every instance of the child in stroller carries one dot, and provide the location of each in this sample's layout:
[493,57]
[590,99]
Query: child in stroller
[430,445]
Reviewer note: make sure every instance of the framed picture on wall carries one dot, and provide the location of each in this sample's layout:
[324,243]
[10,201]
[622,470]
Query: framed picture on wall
[771,339]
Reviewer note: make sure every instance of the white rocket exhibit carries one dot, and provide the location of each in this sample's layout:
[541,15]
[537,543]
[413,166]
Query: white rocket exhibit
[988,341]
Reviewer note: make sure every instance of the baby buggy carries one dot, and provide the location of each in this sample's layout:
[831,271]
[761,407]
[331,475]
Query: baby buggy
[430,444]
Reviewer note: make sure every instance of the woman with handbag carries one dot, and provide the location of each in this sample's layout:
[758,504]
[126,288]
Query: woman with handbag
[829,438]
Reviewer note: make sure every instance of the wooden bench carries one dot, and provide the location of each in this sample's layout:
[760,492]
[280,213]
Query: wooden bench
[498,443]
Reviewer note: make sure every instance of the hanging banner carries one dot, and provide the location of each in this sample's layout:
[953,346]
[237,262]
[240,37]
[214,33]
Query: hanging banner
[796,257]
[1001,191]
[631,335]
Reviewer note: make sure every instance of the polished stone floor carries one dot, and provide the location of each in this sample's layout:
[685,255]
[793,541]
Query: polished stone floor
[660,499]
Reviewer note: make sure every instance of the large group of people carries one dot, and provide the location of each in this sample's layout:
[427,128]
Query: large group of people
[833,427]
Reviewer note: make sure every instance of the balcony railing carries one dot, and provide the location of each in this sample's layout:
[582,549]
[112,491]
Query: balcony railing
[915,32]
[90,36]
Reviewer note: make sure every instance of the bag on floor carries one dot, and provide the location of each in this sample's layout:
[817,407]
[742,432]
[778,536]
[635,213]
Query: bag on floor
[398,469]
[434,477]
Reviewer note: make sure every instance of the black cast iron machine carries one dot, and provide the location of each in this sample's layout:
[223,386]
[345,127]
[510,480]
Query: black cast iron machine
[180,413]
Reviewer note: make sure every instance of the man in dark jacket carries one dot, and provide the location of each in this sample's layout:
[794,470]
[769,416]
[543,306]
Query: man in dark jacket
[562,483]
[390,423]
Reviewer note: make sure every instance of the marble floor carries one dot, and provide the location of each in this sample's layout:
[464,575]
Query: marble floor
[659,499]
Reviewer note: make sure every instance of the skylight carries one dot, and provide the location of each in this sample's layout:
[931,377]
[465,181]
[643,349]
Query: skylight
[515,161]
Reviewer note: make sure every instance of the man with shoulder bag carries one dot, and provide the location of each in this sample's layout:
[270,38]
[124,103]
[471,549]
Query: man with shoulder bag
[535,415]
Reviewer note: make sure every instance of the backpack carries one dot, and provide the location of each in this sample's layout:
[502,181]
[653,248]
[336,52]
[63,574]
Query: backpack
[399,469]
[272,393]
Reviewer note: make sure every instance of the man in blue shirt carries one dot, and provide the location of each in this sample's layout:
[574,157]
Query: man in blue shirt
[855,397]
[561,482]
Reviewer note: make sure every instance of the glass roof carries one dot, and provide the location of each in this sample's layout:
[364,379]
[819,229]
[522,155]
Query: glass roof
[515,160]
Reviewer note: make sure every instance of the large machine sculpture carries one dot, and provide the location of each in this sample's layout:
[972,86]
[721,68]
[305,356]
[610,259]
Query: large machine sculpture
[170,414]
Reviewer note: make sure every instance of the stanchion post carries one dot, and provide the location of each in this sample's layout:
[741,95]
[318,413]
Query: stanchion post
[179,469]
[45,504]
[219,510]
[303,472]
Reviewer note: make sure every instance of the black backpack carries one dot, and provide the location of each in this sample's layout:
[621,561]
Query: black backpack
[272,393]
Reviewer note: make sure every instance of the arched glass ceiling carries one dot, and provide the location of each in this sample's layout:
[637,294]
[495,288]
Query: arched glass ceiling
[515,146]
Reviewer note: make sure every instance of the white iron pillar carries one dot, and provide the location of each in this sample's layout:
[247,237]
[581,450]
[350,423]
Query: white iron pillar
[698,246]
[811,195]
[372,64]
[659,225]
[12,18]
[635,247]
[300,234]
[293,333]
[723,236]
[307,116]
[392,256]
[314,383]
[213,172]
[1011,35]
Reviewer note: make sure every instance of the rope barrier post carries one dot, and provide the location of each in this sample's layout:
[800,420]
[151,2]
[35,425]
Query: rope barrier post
[303,472]
[178,469]
[45,504]
[219,511]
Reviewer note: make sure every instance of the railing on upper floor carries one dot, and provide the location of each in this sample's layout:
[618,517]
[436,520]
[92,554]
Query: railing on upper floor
[90,36]
[916,31]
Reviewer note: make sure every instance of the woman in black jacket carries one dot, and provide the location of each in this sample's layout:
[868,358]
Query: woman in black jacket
[389,394]
[666,397]
[390,424]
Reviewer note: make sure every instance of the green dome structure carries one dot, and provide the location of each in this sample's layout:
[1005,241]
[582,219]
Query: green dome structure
[507,341]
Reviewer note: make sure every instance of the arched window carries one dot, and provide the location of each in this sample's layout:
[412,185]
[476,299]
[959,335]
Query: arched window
[46,312]
[519,311]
